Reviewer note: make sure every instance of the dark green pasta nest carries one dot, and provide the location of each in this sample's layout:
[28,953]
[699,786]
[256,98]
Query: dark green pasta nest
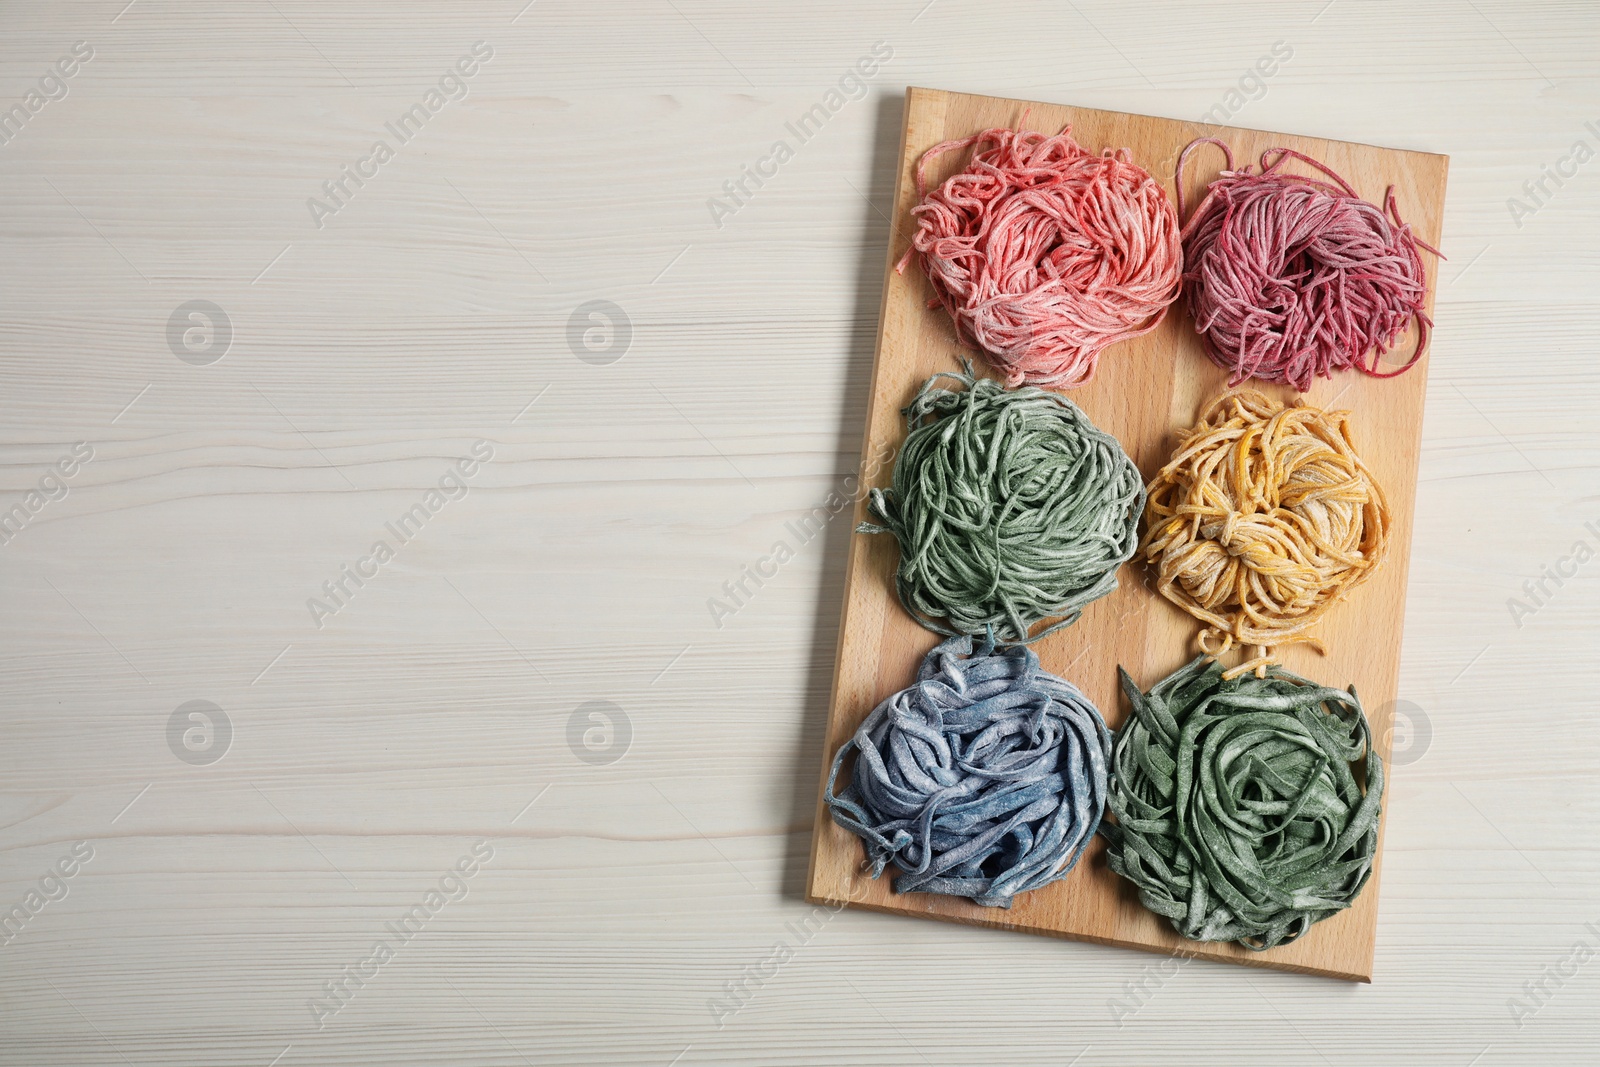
[1011,508]
[1239,814]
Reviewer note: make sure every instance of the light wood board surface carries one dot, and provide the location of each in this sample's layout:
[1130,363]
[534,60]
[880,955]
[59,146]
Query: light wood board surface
[1144,393]
[427,714]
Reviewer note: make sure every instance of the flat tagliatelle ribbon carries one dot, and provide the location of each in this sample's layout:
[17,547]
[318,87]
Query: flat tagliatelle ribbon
[1012,509]
[984,779]
[1238,814]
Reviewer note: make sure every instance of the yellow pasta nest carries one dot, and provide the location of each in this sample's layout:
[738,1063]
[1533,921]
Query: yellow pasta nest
[1264,518]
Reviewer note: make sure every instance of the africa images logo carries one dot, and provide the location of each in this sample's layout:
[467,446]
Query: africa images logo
[452,85]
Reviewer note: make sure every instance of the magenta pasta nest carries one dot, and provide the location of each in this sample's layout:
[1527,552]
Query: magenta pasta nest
[1291,278]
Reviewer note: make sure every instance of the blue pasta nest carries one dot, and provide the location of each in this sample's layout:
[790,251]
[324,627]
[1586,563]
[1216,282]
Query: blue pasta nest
[984,779]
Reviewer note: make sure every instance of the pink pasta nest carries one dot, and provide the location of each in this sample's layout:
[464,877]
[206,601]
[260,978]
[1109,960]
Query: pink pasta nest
[1045,254]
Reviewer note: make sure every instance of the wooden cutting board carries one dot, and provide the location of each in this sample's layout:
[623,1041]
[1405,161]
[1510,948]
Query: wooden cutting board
[1145,391]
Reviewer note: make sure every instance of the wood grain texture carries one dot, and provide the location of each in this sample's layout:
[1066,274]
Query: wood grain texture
[626,899]
[1145,392]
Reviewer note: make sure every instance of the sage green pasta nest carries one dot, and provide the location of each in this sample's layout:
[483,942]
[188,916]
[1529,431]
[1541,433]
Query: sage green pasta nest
[1011,508]
[1239,815]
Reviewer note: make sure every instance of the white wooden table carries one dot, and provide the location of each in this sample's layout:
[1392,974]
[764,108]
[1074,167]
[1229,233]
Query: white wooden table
[528,685]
